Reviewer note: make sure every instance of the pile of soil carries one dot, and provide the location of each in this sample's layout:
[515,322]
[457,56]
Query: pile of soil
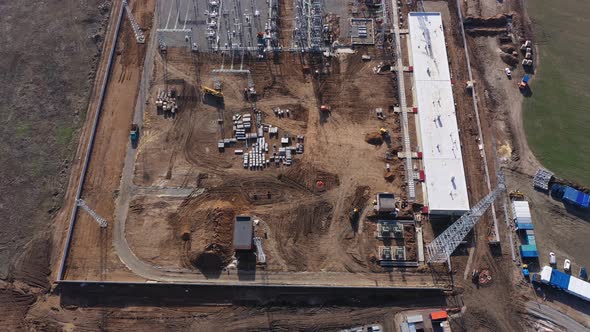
[498,21]
[487,26]
[374,138]
[389,176]
[508,48]
[211,231]
[509,59]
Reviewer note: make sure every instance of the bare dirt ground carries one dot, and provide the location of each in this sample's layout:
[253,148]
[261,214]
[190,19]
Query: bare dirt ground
[91,253]
[181,152]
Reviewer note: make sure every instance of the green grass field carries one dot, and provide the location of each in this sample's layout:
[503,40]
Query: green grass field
[557,116]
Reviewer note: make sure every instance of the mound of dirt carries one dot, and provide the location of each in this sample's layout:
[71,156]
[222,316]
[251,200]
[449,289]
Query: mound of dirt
[497,21]
[508,48]
[212,258]
[374,138]
[211,231]
[389,176]
[509,59]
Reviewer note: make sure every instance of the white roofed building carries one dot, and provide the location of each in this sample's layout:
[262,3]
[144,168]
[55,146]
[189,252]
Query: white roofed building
[446,188]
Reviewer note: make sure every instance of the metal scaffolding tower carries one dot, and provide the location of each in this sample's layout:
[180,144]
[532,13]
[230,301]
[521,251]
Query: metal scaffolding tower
[260,256]
[100,220]
[139,36]
[440,250]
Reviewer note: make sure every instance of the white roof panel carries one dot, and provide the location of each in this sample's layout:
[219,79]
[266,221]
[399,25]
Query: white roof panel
[521,209]
[446,186]
[546,274]
[579,287]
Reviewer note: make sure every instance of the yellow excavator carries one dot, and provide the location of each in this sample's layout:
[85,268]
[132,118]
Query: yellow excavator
[209,91]
[516,195]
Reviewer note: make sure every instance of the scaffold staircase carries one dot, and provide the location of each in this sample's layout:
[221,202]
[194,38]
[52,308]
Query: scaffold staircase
[99,220]
[139,36]
[260,256]
[440,250]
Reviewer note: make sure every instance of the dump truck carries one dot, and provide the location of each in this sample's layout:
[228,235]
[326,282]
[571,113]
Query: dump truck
[213,92]
[134,133]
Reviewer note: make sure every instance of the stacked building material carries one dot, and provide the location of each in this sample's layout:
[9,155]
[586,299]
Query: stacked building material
[166,101]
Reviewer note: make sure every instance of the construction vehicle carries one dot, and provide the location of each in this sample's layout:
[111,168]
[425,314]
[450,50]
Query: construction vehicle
[524,83]
[134,133]
[383,131]
[516,195]
[325,108]
[212,92]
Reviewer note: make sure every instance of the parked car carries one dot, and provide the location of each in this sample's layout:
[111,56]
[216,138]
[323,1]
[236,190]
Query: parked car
[567,264]
[508,72]
[552,259]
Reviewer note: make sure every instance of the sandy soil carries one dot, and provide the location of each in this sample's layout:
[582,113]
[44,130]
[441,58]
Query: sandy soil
[91,255]
[297,216]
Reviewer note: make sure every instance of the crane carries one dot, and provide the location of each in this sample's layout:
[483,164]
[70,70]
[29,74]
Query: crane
[443,246]
[100,220]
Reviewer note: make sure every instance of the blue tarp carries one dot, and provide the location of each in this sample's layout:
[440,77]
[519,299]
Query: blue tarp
[575,197]
[559,279]
[525,78]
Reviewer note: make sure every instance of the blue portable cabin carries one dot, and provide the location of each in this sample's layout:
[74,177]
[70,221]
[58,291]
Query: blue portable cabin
[576,197]
[530,237]
[529,251]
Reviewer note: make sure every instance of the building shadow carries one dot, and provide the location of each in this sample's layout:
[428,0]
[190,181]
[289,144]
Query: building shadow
[246,266]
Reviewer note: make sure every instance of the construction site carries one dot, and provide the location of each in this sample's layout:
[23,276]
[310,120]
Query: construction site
[266,132]
[258,153]
[253,146]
